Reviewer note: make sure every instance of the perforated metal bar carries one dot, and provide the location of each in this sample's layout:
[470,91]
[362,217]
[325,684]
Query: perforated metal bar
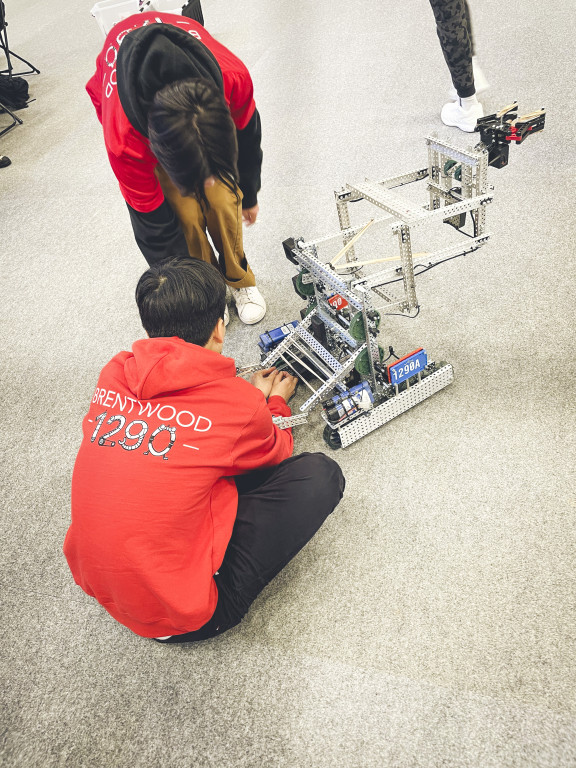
[450,210]
[331,383]
[407,266]
[318,348]
[411,214]
[344,219]
[481,187]
[244,370]
[435,178]
[309,261]
[470,156]
[405,178]
[388,201]
[391,300]
[398,404]
[460,249]
[334,326]
[284,422]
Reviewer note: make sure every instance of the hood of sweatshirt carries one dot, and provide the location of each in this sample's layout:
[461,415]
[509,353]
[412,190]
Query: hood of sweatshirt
[154,56]
[162,365]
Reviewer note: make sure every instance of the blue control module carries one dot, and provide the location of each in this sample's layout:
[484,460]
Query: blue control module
[407,366]
[272,338]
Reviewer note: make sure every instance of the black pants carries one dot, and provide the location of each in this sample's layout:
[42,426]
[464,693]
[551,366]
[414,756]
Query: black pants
[454,29]
[279,510]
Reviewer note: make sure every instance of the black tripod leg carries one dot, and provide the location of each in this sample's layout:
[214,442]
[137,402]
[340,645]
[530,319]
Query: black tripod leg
[15,120]
[33,70]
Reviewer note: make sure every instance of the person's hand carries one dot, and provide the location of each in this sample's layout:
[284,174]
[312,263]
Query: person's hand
[284,385]
[249,215]
[263,380]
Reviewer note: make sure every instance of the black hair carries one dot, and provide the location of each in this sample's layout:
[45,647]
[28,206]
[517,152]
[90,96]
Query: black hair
[182,297]
[193,136]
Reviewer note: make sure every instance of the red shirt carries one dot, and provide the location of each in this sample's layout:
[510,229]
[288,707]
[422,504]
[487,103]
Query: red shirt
[128,150]
[153,499]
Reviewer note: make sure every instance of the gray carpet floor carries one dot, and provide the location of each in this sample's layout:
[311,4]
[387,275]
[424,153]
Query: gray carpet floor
[431,621]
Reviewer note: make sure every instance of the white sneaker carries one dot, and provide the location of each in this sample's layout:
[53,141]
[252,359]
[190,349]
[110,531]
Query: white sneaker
[226,315]
[250,304]
[461,117]
[480,82]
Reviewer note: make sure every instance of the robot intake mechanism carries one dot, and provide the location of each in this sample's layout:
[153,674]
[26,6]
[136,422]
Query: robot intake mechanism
[499,130]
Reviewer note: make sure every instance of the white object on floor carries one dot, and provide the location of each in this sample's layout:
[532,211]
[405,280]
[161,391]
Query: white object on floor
[480,82]
[226,315]
[250,304]
[462,114]
[110,12]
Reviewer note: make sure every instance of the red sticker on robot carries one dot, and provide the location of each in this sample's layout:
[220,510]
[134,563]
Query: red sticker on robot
[337,301]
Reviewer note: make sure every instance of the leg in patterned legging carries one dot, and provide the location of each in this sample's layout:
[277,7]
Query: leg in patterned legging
[455,34]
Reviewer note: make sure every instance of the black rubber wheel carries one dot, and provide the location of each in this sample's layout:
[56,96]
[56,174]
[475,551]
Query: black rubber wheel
[332,438]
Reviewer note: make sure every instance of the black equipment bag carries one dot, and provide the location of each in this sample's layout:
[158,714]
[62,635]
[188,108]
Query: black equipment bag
[13,92]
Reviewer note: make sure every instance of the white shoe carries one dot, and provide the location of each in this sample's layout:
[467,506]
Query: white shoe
[480,82]
[250,304]
[226,315]
[461,117]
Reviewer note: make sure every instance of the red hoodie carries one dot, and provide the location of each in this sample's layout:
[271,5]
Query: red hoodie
[153,499]
[129,150]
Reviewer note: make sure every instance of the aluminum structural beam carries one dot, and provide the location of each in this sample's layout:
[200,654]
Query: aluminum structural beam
[405,178]
[398,404]
[389,201]
[468,156]
[469,204]
[410,214]
[284,422]
[337,329]
[315,345]
[330,383]
[307,259]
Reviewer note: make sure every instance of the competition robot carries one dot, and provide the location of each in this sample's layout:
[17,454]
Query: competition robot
[333,349]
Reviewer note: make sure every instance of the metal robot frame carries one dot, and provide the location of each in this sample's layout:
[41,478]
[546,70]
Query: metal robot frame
[335,343]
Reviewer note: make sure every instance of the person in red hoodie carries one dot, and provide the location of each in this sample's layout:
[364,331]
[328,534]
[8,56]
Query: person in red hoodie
[186,500]
[183,138]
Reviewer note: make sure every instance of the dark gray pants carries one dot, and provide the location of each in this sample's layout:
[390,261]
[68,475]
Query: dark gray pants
[279,511]
[454,29]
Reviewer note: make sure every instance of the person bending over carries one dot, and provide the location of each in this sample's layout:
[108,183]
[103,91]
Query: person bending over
[183,138]
[186,500]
